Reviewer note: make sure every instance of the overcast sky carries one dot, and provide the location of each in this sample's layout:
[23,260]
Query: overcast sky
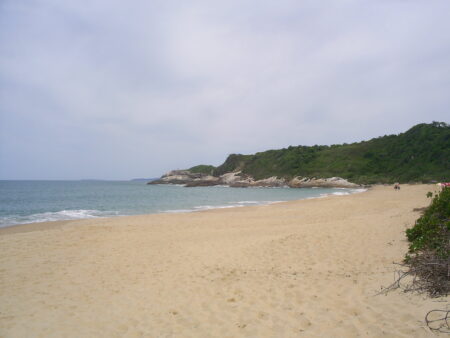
[121,89]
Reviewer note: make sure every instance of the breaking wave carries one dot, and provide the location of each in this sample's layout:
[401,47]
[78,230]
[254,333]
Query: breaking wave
[62,215]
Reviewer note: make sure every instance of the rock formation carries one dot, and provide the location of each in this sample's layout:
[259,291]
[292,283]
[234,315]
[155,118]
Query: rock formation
[332,182]
[186,177]
[240,180]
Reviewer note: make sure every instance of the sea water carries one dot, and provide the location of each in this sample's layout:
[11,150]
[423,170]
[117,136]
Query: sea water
[40,201]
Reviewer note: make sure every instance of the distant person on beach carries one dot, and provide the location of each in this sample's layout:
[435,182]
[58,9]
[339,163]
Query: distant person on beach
[397,186]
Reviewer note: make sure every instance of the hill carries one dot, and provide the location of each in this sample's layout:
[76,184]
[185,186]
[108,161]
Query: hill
[421,154]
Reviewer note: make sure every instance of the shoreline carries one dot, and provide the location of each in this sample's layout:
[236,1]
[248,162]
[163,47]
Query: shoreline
[308,267]
[35,225]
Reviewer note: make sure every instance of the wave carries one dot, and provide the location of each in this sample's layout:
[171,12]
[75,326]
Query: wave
[246,202]
[209,207]
[347,192]
[355,191]
[175,211]
[338,193]
[249,203]
[239,204]
[198,208]
[62,215]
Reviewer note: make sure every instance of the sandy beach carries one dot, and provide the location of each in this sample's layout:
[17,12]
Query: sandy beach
[307,268]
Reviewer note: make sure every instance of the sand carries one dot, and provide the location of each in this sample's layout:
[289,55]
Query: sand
[307,268]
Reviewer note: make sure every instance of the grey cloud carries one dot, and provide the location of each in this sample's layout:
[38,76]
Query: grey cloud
[116,90]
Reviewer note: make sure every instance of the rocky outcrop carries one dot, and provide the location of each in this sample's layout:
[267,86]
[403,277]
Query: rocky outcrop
[240,180]
[184,177]
[333,182]
[236,180]
[206,182]
[271,182]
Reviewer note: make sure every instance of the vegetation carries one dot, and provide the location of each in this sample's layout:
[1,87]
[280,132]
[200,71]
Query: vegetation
[428,259]
[234,162]
[427,265]
[202,169]
[431,231]
[422,154]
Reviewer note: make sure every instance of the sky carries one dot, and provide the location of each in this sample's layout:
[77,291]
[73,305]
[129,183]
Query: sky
[112,89]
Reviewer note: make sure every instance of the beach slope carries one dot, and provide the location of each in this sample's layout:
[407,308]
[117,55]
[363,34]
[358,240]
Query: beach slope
[304,268]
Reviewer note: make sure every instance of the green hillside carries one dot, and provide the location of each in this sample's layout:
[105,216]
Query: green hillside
[202,169]
[421,154]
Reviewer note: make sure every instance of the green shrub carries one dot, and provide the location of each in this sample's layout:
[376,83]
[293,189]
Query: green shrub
[429,252]
[202,169]
[431,231]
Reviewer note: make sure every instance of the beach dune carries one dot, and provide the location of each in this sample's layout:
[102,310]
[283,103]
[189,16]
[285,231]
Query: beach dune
[304,268]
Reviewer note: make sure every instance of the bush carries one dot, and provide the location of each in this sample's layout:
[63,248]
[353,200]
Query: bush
[429,249]
[432,229]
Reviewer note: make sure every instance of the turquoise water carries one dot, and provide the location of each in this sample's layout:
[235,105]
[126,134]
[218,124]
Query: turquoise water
[40,201]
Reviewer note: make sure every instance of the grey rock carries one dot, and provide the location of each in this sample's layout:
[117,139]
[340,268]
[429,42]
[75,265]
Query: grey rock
[332,182]
[239,180]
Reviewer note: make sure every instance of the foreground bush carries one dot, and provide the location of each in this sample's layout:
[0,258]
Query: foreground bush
[429,251]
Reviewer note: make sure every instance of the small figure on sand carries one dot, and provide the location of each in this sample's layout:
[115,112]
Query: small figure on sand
[397,186]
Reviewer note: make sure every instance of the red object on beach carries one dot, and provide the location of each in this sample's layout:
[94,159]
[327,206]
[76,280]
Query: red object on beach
[446,184]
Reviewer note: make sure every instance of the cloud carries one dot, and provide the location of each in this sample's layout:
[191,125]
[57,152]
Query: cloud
[113,90]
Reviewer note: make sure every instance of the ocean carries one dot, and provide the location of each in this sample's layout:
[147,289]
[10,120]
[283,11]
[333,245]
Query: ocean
[40,201]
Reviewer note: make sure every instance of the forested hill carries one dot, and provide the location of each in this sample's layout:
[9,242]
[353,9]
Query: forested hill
[422,154]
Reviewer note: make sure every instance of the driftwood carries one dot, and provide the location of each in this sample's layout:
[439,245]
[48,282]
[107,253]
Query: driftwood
[438,320]
[427,274]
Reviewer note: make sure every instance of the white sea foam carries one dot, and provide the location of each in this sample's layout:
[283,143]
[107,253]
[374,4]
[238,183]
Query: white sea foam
[355,191]
[62,215]
[338,193]
[239,204]
[199,208]
[250,203]
[176,211]
[246,202]
[209,207]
